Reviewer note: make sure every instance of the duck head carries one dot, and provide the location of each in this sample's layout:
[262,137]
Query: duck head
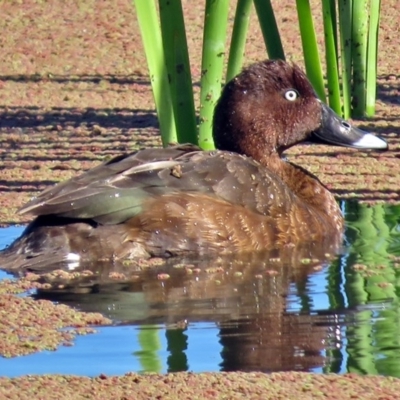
[271,106]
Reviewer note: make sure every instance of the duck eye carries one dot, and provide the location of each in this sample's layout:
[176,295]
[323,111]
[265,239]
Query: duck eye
[291,95]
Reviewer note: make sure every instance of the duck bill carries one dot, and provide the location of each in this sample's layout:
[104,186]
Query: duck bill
[335,130]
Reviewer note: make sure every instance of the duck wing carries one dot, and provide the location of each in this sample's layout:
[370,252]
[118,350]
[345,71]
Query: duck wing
[114,190]
[118,189]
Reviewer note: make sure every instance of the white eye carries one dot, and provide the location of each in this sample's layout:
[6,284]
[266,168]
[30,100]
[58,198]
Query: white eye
[291,95]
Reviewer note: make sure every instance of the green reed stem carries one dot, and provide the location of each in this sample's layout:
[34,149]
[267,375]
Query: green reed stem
[269,29]
[345,32]
[310,47]
[151,37]
[238,41]
[372,55]
[178,68]
[333,14]
[215,27]
[332,70]
[359,54]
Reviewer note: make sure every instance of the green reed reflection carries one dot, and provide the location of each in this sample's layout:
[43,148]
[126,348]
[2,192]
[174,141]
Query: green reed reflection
[177,346]
[371,277]
[372,244]
[149,341]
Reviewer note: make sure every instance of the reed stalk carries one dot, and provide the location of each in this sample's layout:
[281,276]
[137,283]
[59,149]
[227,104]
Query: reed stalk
[238,40]
[214,38]
[359,55]
[178,69]
[310,47]
[269,29]
[372,56]
[345,32]
[152,42]
[332,68]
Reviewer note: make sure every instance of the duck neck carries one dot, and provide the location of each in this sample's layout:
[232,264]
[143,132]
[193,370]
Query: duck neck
[305,186]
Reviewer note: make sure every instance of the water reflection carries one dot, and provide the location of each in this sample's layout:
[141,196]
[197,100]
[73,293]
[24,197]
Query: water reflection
[246,296]
[294,311]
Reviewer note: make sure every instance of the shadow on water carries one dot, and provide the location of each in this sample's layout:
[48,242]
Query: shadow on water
[307,311]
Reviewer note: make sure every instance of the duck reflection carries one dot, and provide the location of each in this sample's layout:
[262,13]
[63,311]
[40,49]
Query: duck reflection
[245,296]
[273,342]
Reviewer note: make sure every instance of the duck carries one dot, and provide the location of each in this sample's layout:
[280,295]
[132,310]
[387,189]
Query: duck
[181,200]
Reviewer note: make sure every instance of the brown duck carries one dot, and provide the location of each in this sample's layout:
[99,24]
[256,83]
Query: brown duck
[181,200]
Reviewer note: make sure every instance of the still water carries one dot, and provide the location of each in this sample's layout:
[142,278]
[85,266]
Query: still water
[338,315]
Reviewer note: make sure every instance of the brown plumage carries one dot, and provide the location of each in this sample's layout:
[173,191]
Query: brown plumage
[181,200]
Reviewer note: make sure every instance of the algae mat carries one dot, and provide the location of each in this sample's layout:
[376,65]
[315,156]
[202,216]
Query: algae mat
[229,386]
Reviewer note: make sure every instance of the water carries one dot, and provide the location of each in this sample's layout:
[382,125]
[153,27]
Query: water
[340,315]
[118,350]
